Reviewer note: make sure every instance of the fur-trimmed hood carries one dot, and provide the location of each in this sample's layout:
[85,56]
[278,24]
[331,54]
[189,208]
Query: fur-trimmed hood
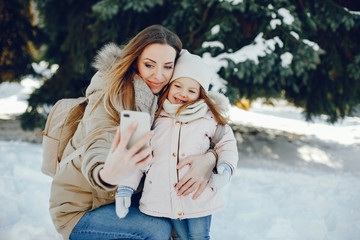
[221,101]
[106,57]
[104,60]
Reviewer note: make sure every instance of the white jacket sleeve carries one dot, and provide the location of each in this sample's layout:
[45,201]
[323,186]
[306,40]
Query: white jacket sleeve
[227,150]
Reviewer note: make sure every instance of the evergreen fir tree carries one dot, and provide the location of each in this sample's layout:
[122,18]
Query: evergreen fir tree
[17,39]
[312,57]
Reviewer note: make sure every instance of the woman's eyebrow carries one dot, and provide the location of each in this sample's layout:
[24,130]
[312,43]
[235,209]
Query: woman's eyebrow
[149,59]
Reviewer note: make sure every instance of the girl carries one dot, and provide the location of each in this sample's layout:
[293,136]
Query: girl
[186,119]
[83,191]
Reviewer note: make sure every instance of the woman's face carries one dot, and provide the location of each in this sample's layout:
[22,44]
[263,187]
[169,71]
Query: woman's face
[183,90]
[156,65]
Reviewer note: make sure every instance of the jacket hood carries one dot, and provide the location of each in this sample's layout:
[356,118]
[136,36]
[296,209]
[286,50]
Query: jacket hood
[221,101]
[106,57]
[104,60]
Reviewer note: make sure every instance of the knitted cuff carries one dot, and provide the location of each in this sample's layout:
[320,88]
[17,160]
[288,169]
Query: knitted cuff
[123,191]
[226,168]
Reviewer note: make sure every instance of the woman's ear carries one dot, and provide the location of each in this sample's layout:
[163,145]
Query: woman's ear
[134,67]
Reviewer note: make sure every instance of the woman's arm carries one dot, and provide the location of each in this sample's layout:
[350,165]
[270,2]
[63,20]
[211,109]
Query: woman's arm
[101,164]
[107,160]
[122,162]
[201,166]
[198,176]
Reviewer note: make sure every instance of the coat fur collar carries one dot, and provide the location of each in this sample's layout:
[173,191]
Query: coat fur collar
[106,57]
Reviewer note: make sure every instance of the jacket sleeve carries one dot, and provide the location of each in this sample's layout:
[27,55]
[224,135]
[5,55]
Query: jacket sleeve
[97,149]
[132,181]
[98,143]
[227,150]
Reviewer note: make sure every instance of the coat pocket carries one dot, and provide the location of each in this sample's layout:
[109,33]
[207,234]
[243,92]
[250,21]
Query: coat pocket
[101,198]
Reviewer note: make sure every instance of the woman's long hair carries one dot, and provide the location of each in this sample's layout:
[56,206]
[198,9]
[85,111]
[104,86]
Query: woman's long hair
[119,91]
[219,115]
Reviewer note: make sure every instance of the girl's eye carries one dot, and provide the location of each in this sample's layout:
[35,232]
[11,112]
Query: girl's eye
[169,67]
[191,91]
[177,86]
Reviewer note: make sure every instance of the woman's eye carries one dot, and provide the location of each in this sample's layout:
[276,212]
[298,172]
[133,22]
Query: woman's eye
[148,65]
[169,67]
[177,86]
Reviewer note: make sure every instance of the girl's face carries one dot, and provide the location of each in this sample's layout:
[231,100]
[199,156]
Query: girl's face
[156,65]
[183,90]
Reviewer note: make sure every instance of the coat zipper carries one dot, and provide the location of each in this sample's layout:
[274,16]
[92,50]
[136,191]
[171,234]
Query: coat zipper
[177,154]
[181,213]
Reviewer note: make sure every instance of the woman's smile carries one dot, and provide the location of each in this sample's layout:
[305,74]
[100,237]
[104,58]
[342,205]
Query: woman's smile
[155,84]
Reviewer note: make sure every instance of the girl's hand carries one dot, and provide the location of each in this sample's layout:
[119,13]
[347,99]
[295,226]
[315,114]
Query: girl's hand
[198,176]
[122,162]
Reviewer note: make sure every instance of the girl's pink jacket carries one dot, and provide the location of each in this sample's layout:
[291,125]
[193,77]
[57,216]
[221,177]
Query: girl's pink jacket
[172,142]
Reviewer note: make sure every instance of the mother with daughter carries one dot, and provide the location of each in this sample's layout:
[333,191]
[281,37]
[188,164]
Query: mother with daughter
[82,200]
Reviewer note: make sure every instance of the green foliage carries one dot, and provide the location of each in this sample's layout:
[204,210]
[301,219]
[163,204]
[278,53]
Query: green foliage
[319,78]
[106,9]
[319,37]
[17,37]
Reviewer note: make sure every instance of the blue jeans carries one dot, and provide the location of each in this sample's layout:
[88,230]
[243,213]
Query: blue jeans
[103,223]
[193,228]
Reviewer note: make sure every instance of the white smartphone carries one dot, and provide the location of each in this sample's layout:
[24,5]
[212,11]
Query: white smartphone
[143,125]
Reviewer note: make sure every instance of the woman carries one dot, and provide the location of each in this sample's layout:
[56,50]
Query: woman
[82,192]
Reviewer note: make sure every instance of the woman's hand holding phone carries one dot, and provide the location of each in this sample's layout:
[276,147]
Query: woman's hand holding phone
[124,159]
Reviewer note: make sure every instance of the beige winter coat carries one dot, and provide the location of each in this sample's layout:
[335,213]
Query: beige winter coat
[173,141]
[76,188]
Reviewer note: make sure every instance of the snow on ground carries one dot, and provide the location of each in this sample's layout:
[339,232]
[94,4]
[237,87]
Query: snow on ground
[295,180]
[267,203]
[24,193]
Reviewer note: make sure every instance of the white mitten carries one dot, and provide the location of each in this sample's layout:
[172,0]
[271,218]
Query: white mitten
[220,179]
[123,201]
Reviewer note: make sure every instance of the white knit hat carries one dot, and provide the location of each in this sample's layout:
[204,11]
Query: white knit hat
[192,66]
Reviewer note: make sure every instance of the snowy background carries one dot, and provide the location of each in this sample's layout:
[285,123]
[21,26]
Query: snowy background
[295,180]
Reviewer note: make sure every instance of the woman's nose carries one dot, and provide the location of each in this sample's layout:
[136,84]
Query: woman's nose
[158,74]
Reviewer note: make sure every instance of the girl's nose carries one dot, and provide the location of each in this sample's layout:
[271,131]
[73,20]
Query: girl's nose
[183,94]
